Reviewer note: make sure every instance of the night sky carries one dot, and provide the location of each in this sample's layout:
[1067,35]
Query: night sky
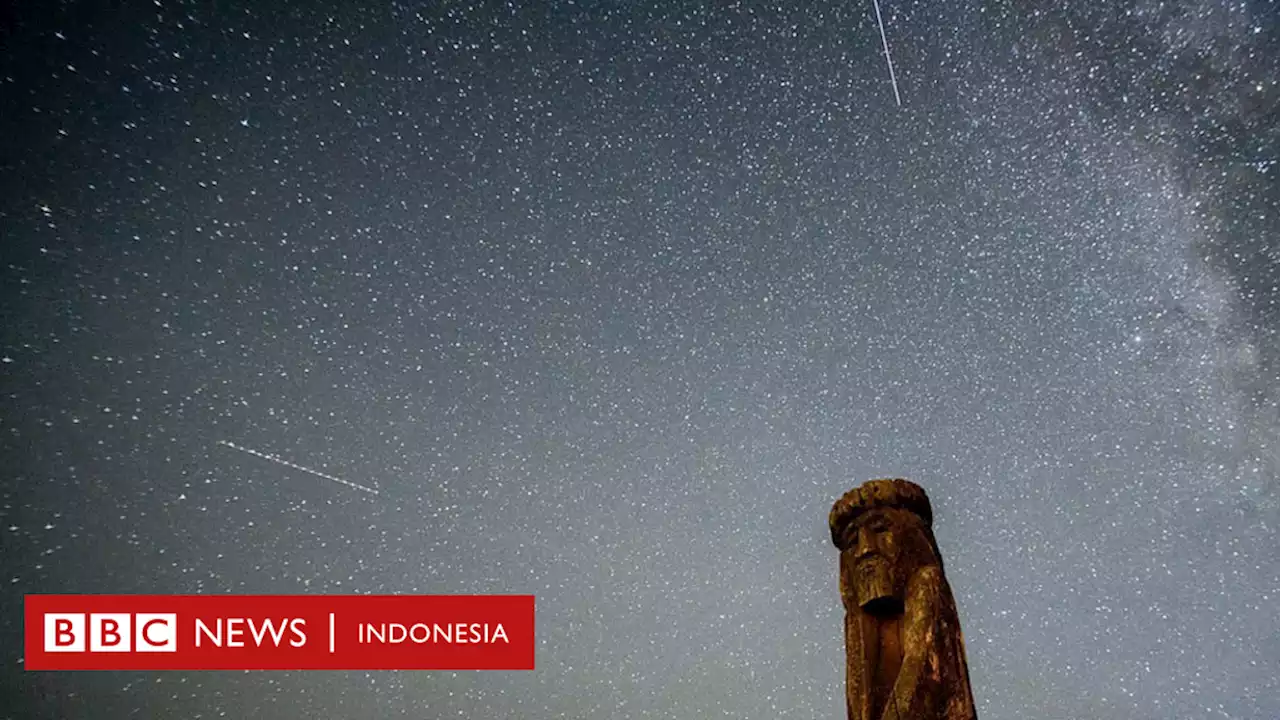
[611,301]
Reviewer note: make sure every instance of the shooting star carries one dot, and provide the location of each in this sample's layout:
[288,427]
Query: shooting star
[884,39]
[295,466]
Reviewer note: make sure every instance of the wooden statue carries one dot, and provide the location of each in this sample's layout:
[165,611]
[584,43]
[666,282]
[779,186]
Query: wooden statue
[903,647]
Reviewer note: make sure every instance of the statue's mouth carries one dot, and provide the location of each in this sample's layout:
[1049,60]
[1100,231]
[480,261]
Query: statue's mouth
[874,579]
[868,563]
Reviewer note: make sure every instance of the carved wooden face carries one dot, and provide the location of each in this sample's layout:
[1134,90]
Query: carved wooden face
[883,547]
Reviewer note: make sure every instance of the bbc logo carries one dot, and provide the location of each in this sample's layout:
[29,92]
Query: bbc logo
[110,632]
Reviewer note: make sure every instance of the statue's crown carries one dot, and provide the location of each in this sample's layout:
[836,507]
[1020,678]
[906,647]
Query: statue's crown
[889,493]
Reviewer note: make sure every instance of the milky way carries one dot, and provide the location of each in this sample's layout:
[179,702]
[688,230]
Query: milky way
[613,301]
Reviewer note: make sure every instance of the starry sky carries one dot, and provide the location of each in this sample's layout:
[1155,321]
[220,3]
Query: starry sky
[611,300]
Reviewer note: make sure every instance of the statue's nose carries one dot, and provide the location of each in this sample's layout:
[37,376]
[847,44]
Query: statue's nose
[865,546]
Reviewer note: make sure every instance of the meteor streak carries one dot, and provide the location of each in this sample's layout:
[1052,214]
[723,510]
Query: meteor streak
[295,466]
[884,39]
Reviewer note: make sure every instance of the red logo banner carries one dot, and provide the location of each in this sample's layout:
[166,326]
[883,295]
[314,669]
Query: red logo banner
[279,632]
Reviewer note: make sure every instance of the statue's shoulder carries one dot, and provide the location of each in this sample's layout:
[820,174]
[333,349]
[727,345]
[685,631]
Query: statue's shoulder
[926,580]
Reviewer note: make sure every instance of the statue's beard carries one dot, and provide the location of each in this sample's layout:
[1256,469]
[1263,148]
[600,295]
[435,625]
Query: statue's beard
[877,586]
